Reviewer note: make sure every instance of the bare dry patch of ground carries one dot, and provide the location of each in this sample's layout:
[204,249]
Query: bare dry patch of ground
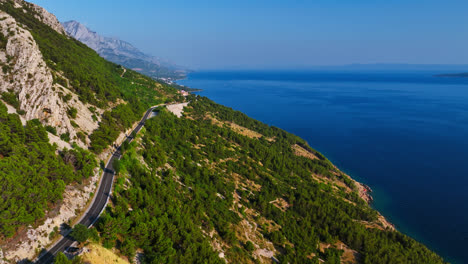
[213,165]
[96,254]
[245,183]
[269,225]
[362,190]
[349,256]
[117,102]
[281,204]
[368,224]
[385,223]
[302,152]
[336,184]
[237,128]
[198,146]
[177,109]
[382,223]
[244,131]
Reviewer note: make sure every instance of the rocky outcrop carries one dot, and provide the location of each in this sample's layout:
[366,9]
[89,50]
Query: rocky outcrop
[48,19]
[42,15]
[25,73]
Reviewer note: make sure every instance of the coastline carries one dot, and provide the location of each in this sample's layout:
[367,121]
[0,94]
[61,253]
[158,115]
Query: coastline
[363,190]
[322,102]
[183,87]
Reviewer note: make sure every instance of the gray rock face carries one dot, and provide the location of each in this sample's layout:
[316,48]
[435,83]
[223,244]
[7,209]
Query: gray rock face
[42,15]
[48,19]
[124,53]
[25,73]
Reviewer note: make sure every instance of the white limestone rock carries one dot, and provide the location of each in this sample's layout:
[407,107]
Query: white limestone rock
[28,76]
[42,15]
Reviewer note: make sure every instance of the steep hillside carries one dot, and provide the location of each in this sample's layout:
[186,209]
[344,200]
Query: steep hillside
[209,186]
[124,53]
[33,176]
[61,81]
[217,186]
[63,93]
[26,76]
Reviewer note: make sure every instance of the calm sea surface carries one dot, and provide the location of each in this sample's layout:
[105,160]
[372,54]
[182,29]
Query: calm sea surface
[404,134]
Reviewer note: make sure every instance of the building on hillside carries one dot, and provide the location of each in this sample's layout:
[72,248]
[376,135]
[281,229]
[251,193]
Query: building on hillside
[183,92]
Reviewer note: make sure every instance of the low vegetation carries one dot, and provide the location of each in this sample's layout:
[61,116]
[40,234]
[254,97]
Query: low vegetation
[212,185]
[93,79]
[11,98]
[33,176]
[180,198]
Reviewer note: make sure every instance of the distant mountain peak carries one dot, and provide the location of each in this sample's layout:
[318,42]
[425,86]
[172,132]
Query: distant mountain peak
[124,53]
[75,27]
[99,43]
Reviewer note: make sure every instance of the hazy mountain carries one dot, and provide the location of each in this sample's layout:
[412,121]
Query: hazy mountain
[124,53]
[395,67]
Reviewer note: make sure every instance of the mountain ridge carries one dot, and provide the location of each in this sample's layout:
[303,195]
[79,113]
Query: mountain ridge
[124,53]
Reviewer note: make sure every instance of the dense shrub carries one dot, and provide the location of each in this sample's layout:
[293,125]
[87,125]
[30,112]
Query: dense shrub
[175,206]
[32,176]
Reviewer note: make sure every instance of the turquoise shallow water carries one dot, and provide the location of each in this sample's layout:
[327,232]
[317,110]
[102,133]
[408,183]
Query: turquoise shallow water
[405,134]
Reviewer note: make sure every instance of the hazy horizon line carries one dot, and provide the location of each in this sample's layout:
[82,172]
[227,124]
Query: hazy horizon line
[375,66]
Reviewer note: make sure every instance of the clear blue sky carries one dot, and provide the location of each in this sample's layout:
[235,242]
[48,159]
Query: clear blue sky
[280,34]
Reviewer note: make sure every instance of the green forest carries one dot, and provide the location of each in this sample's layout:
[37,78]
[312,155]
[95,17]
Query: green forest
[211,186]
[33,176]
[94,79]
[184,190]
[33,173]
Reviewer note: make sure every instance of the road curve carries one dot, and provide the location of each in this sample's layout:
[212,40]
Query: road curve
[99,202]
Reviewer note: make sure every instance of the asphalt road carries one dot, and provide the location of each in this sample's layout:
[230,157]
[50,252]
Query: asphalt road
[99,202]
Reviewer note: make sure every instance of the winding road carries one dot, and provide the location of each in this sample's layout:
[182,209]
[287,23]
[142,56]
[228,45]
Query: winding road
[100,201]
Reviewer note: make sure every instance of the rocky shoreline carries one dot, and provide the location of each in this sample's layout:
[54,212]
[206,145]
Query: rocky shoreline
[364,192]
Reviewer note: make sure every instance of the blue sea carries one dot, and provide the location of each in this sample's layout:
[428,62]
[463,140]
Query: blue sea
[403,133]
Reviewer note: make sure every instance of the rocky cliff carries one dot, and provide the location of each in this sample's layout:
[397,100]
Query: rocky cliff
[25,73]
[42,15]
